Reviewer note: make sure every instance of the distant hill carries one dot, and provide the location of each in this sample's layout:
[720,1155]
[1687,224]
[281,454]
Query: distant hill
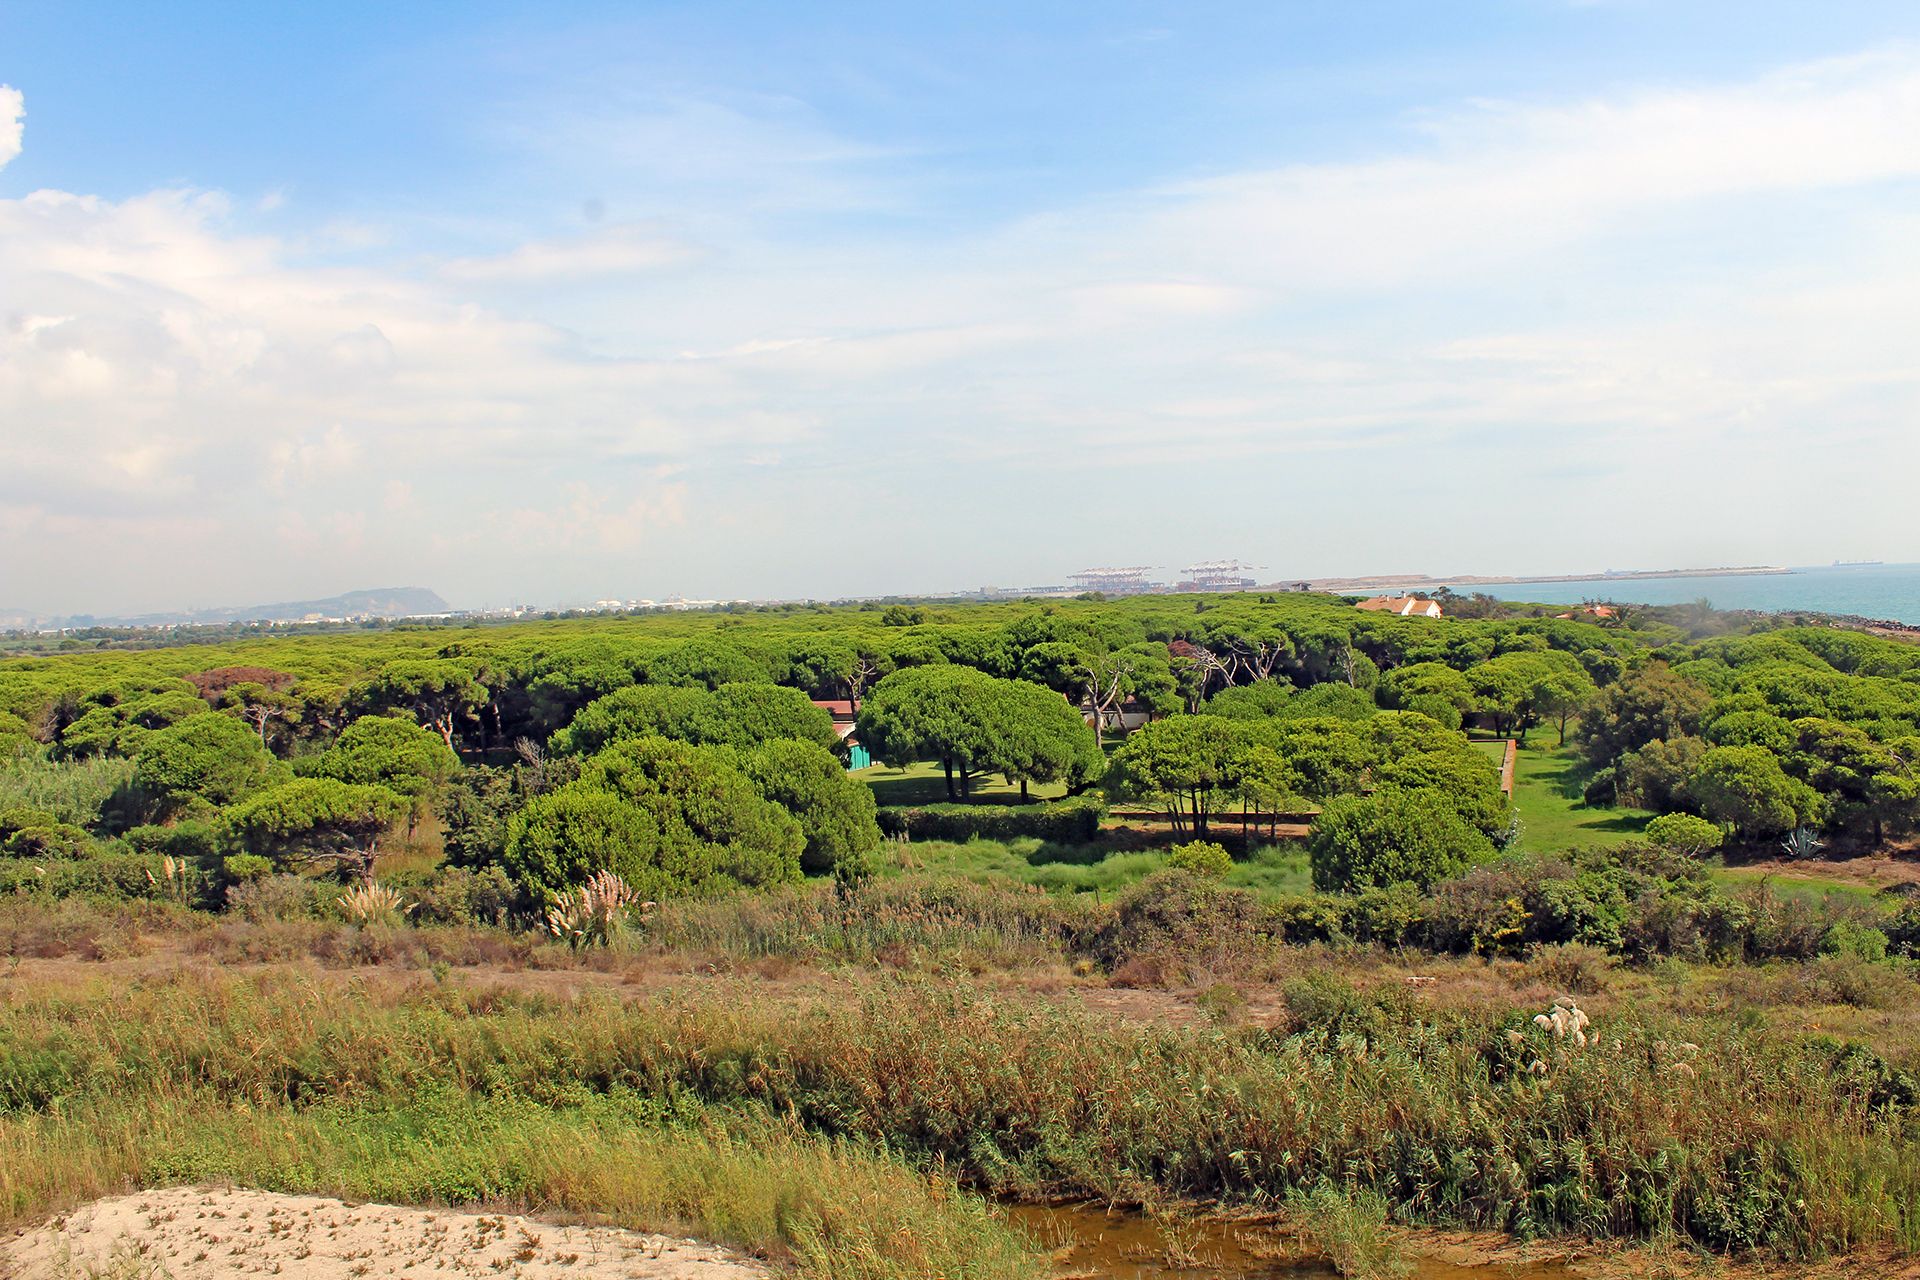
[379,602]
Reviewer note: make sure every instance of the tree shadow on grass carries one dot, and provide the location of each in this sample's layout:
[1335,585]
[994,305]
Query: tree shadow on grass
[1626,823]
[912,790]
[1569,778]
[1122,840]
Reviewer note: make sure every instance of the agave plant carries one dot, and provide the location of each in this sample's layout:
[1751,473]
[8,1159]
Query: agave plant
[1802,842]
[374,903]
[593,913]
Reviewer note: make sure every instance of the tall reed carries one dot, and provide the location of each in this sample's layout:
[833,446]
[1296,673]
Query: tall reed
[1799,1147]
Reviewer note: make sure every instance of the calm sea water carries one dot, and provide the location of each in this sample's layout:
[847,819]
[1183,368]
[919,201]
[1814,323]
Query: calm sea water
[1871,591]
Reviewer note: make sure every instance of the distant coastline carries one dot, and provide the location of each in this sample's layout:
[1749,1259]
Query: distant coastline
[1416,581]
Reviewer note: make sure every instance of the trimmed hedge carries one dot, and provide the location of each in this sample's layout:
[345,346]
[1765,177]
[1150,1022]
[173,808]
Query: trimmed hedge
[1072,821]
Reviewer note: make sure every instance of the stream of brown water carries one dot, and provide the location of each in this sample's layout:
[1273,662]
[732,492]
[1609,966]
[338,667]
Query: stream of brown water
[1091,1242]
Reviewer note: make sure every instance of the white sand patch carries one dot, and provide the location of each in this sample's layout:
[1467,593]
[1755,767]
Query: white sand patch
[200,1233]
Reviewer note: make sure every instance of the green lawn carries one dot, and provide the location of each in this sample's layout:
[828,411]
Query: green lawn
[1495,749]
[1270,870]
[924,783]
[1811,888]
[1547,782]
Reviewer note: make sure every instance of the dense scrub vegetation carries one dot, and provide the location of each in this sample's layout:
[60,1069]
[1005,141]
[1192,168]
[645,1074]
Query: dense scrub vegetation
[285,749]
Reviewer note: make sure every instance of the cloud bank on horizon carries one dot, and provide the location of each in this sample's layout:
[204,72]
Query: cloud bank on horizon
[655,333]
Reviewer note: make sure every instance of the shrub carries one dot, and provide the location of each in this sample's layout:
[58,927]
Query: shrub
[668,818]
[1903,931]
[110,875]
[1331,1003]
[1175,918]
[1390,837]
[1202,857]
[275,897]
[1684,833]
[835,810]
[49,840]
[1074,821]
[1311,917]
[180,840]
[241,867]
[24,817]
[1388,915]
[1572,967]
[1632,900]
[461,895]
[1860,941]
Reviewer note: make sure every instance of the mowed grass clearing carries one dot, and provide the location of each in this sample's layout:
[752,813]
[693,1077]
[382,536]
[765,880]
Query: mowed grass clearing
[1547,787]
[1269,870]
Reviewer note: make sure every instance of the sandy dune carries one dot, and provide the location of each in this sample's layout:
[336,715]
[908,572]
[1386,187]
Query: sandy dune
[198,1233]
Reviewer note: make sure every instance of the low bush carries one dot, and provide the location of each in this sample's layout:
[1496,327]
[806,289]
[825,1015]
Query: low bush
[49,840]
[1684,833]
[464,896]
[1202,858]
[1071,821]
[1391,837]
[276,898]
[1850,938]
[1176,921]
[108,876]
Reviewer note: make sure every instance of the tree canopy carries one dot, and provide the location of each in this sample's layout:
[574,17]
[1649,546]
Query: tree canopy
[974,723]
[207,757]
[741,715]
[316,820]
[668,817]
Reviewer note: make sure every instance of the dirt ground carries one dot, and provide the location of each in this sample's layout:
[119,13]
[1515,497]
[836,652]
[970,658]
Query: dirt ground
[1898,868]
[200,1233]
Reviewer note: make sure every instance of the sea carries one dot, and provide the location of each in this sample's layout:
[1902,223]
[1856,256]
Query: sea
[1886,591]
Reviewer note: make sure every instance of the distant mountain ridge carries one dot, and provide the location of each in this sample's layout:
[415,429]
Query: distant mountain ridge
[377,602]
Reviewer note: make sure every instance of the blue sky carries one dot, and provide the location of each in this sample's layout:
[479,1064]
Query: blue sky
[560,302]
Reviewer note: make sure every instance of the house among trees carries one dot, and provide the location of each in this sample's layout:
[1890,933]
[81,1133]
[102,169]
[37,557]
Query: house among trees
[1404,606]
[844,712]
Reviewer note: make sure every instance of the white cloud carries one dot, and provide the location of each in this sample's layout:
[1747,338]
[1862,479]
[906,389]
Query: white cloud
[1500,181]
[1527,296]
[13,113]
[614,251]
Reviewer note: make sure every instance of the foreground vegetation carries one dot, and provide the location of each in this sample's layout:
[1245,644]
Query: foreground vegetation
[1659,1124]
